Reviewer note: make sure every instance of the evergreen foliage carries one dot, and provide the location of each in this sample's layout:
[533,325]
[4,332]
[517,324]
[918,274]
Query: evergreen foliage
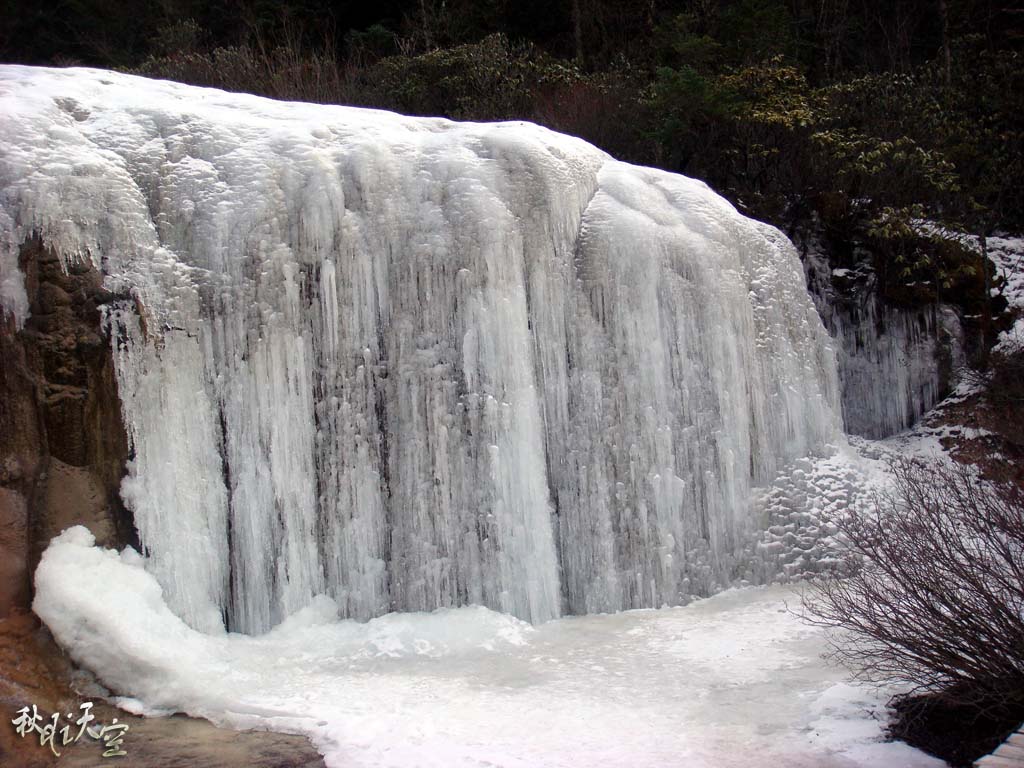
[860,121]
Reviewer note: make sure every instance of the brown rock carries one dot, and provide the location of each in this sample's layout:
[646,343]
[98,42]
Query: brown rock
[63,450]
[33,670]
[14,544]
[62,445]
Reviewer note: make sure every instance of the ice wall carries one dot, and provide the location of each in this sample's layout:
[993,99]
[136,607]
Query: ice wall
[895,363]
[413,363]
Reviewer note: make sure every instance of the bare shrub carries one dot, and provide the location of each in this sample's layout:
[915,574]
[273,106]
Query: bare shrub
[1005,392]
[933,594]
[282,66]
[601,110]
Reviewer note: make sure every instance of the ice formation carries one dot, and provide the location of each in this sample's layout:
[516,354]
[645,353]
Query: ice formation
[895,363]
[894,366]
[410,363]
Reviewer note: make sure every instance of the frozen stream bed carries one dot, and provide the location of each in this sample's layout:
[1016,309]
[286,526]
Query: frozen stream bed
[733,680]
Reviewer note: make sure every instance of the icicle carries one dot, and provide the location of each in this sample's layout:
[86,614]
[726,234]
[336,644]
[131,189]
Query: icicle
[416,364]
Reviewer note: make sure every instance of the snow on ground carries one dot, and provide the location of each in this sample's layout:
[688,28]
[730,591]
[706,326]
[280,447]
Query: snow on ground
[1007,253]
[734,680]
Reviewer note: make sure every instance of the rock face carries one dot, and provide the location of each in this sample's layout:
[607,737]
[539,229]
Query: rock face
[62,457]
[62,445]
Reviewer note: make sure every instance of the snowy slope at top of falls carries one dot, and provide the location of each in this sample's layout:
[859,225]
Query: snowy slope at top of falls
[411,363]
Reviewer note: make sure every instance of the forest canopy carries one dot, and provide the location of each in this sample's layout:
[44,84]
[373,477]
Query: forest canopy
[858,121]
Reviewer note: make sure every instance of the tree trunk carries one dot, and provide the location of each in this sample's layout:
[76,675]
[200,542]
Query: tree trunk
[947,59]
[577,30]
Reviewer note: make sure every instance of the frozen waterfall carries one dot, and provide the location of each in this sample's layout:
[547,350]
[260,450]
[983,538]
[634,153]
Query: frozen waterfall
[895,363]
[413,363]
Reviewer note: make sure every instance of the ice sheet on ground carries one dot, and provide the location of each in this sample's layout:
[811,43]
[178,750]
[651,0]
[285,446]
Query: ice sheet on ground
[734,680]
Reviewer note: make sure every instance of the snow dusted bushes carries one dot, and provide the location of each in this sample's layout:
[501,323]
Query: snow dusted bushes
[933,597]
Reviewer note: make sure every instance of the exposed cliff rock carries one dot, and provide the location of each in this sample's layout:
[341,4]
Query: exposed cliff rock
[33,670]
[62,445]
[62,457]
